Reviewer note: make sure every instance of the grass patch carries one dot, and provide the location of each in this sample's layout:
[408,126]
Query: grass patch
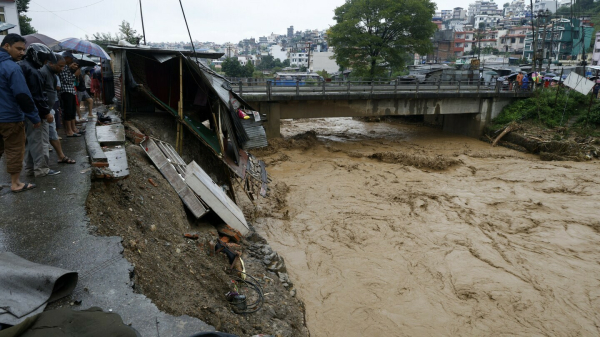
[549,107]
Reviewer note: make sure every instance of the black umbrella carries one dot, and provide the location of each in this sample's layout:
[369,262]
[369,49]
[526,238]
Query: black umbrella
[40,38]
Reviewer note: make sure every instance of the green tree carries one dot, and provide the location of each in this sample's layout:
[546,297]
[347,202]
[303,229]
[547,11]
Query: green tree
[103,39]
[248,70]
[24,20]
[303,69]
[266,63]
[371,36]
[286,63]
[128,33]
[323,73]
[258,74]
[232,67]
[125,33]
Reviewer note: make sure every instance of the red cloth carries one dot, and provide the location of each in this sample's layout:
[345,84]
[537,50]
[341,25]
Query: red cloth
[95,85]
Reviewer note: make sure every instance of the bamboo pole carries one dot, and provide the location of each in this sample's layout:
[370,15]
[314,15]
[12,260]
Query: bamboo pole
[558,85]
[220,131]
[123,85]
[179,144]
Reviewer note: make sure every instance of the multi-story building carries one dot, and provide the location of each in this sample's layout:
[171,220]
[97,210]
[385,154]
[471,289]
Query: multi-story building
[516,9]
[486,20]
[279,52]
[561,41]
[596,51]
[564,3]
[299,58]
[456,25]
[469,40]
[290,32]
[458,13]
[459,43]
[513,41]
[263,41]
[443,42]
[8,14]
[543,5]
[481,7]
[446,14]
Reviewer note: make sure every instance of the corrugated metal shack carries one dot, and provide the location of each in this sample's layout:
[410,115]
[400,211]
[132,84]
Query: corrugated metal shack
[149,80]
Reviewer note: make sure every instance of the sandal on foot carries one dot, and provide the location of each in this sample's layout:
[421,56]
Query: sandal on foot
[66,160]
[26,187]
[74,135]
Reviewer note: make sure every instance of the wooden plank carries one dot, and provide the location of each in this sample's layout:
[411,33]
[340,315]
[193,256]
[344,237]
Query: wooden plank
[111,134]
[215,198]
[93,147]
[263,177]
[117,163]
[240,169]
[190,200]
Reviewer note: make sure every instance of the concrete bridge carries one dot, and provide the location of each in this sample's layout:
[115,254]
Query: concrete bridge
[460,107]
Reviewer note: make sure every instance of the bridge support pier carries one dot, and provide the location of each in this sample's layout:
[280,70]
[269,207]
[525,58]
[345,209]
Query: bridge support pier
[472,124]
[273,123]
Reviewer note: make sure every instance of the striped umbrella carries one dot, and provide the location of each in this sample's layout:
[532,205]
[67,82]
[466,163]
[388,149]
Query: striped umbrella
[83,46]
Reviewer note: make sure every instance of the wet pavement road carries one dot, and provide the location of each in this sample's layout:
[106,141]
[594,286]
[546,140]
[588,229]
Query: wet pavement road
[49,225]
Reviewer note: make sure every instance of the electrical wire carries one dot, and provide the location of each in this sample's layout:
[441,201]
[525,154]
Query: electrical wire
[188,29]
[66,10]
[137,5]
[255,285]
[49,11]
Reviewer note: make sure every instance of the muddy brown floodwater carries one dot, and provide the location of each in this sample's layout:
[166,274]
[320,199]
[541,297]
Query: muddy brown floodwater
[379,241]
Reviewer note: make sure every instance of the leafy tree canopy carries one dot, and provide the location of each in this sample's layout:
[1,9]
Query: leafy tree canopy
[324,73]
[233,68]
[126,32]
[269,62]
[371,36]
[24,20]
[22,6]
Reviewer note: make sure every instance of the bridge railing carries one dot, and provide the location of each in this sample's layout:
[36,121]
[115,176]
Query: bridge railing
[298,88]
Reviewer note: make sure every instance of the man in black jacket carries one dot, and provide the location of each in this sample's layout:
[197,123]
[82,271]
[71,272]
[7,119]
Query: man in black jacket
[36,161]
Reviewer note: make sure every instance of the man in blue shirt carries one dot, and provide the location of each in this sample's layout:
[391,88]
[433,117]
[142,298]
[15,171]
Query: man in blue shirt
[16,103]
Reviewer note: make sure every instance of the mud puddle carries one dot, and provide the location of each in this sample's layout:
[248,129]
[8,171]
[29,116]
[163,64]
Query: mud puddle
[498,242]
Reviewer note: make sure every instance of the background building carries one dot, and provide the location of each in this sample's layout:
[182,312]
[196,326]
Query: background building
[9,14]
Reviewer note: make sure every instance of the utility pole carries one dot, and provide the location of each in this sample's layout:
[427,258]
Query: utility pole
[583,58]
[143,29]
[544,15]
[309,45]
[571,8]
[533,35]
[551,46]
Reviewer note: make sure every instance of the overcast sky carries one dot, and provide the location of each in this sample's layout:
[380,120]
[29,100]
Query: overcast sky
[210,20]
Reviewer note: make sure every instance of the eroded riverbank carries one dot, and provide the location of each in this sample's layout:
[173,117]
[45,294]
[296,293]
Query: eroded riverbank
[497,242]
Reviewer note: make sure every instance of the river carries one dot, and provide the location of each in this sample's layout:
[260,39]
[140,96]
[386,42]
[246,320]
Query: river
[379,241]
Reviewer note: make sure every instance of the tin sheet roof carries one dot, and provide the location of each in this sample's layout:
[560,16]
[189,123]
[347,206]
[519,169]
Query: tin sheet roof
[155,51]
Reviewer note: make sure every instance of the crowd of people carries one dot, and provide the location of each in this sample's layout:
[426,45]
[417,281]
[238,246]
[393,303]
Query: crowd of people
[39,88]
